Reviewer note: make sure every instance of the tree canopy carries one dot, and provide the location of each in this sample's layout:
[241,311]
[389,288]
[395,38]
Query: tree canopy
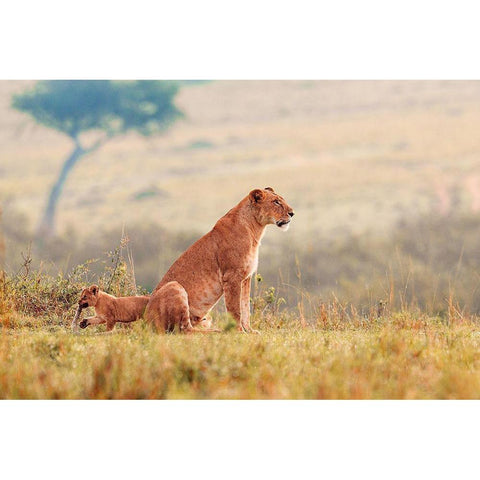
[76,106]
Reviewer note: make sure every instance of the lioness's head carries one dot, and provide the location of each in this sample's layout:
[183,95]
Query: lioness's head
[270,208]
[88,297]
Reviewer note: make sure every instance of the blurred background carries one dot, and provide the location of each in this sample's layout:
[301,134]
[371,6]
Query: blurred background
[384,177]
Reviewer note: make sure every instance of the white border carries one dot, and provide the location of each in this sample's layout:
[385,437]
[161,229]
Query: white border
[213,39]
[241,40]
[234,439]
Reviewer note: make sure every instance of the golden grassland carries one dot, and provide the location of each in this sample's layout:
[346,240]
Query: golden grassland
[400,356]
[317,350]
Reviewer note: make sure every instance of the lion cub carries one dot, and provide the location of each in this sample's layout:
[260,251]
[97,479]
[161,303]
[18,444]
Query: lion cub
[110,309]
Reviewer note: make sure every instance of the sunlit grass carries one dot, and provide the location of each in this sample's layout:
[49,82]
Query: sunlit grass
[316,350]
[402,356]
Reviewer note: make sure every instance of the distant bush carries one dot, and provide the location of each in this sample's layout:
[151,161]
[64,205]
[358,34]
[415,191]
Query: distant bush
[424,262]
[152,249]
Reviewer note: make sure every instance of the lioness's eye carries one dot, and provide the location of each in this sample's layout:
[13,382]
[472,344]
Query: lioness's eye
[276,202]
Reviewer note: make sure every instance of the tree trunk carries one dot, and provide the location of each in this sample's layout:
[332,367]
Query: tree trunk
[47,225]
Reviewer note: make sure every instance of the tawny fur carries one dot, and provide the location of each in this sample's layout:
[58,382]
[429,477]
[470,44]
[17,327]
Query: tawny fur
[223,261]
[110,309]
[168,307]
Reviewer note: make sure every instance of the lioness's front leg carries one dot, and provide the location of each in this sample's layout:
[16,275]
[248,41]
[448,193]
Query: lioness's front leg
[91,321]
[245,304]
[232,288]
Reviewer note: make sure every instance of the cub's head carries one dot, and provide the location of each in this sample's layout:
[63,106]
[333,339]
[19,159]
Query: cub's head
[270,208]
[89,297]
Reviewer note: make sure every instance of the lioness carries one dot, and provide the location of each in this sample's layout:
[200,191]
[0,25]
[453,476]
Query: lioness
[110,309]
[223,261]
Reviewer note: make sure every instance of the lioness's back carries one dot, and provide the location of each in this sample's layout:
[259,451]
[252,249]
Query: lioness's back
[200,255]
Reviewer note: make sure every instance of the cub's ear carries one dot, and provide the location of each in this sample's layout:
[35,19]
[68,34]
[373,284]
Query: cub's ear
[94,289]
[256,195]
[270,189]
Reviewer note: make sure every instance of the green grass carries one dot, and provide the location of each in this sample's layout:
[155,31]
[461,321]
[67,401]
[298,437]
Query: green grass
[402,356]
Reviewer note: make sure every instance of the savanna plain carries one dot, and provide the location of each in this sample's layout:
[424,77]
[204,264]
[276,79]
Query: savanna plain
[400,356]
[371,294]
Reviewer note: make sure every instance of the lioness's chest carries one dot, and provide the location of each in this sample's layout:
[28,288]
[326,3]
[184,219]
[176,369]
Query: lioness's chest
[252,262]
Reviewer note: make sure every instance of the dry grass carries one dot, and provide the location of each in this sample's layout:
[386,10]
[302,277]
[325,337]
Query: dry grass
[324,350]
[401,356]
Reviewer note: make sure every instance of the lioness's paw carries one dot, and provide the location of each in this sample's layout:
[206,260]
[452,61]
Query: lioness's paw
[247,330]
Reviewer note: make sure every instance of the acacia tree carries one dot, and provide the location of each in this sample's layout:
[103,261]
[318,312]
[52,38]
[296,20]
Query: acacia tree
[109,108]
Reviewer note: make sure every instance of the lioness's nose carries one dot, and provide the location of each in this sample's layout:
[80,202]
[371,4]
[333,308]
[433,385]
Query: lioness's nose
[291,214]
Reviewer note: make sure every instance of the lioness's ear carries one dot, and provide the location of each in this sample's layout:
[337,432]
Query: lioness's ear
[256,195]
[94,289]
[270,189]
